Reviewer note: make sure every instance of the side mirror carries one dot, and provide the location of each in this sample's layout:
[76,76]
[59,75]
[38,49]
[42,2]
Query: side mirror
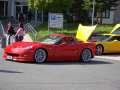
[63,43]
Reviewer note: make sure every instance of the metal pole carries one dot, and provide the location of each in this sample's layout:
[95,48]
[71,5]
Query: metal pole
[93,12]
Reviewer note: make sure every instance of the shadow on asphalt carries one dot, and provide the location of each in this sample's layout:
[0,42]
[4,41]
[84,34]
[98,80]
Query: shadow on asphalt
[111,54]
[9,71]
[77,63]
[92,62]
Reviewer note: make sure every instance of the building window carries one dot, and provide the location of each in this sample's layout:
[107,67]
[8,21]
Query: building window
[106,13]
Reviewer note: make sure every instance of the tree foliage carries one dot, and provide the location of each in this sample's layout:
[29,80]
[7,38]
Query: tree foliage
[50,5]
[38,4]
[59,5]
[76,7]
[78,13]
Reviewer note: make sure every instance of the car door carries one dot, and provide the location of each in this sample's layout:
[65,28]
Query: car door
[111,47]
[66,51]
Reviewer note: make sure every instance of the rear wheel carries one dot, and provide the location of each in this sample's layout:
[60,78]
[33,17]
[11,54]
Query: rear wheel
[99,50]
[86,55]
[40,56]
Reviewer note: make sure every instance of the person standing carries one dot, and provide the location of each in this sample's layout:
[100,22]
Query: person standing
[20,33]
[10,33]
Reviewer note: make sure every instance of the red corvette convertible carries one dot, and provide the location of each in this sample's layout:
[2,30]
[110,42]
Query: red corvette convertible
[54,47]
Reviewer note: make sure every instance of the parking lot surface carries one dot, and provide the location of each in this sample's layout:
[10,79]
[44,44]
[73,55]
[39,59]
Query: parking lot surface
[102,73]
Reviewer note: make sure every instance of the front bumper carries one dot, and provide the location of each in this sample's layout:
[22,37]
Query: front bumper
[18,56]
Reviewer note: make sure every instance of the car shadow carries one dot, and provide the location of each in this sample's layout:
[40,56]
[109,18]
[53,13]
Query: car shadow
[112,54]
[9,71]
[77,63]
[92,62]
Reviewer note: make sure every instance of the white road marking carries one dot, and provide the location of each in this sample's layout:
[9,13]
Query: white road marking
[111,57]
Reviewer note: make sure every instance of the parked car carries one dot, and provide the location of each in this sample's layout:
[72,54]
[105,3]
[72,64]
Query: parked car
[54,47]
[107,43]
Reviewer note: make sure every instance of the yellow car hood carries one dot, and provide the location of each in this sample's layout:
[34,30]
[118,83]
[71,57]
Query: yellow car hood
[115,28]
[84,32]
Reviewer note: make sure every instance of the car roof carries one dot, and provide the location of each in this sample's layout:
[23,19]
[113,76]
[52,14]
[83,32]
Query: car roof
[115,28]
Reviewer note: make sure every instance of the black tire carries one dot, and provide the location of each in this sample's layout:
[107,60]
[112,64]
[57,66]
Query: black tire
[99,50]
[40,56]
[86,55]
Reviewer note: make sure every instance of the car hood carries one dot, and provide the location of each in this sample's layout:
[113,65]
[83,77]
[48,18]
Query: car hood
[115,28]
[84,32]
[113,31]
[23,44]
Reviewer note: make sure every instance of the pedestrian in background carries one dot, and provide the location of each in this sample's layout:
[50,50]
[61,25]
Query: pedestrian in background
[10,33]
[20,33]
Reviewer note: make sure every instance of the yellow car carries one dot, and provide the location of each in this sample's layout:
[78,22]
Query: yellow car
[109,45]
[105,43]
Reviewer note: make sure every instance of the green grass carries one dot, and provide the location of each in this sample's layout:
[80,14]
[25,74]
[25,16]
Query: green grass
[69,29]
[104,28]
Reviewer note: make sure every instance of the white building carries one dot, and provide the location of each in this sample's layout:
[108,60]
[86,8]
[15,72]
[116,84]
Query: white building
[109,16]
[112,16]
[13,7]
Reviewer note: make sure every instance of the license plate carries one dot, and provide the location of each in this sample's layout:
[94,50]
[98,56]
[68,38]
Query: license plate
[9,57]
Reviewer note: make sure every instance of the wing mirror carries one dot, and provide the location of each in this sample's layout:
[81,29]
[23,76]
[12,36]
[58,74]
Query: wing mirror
[63,43]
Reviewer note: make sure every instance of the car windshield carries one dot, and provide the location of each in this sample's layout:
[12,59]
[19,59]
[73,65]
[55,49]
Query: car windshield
[50,39]
[99,37]
[113,38]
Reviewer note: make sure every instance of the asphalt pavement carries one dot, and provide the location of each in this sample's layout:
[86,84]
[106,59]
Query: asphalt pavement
[99,74]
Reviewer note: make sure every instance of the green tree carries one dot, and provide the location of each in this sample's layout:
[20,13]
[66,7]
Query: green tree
[38,5]
[59,6]
[79,14]
[50,5]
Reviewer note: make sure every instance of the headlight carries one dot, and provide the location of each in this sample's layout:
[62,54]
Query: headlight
[28,47]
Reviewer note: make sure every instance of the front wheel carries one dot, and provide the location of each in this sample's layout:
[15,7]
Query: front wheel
[40,56]
[86,55]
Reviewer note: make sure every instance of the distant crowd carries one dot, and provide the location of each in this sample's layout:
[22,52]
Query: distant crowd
[15,36]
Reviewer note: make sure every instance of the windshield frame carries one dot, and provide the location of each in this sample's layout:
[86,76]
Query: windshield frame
[50,39]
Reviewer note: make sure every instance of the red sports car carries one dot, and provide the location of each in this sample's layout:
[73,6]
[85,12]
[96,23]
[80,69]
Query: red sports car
[54,47]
